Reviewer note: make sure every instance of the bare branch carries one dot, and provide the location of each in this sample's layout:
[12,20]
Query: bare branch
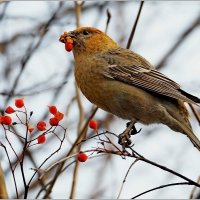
[160,187]
[134,26]
[178,43]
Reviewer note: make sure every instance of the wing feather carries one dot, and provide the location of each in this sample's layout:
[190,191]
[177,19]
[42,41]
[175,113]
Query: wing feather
[147,79]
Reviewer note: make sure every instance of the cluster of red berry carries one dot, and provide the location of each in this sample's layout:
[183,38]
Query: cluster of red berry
[41,125]
[54,121]
[6,119]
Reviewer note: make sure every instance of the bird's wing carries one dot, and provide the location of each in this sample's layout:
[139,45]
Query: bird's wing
[147,79]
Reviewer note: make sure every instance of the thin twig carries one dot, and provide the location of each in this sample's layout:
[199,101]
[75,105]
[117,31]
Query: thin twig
[12,171]
[26,187]
[3,189]
[194,189]
[78,7]
[31,50]
[5,5]
[108,19]
[126,177]
[162,186]
[134,26]
[56,151]
[60,167]
[32,93]
[57,163]
[180,41]
[10,143]
[142,158]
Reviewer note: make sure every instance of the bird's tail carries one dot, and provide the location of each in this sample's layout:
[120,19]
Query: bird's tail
[194,140]
[189,133]
[179,122]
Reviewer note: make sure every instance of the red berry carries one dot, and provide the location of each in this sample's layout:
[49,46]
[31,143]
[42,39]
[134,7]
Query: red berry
[9,110]
[19,103]
[52,109]
[82,157]
[41,139]
[30,129]
[93,124]
[68,46]
[53,121]
[7,120]
[59,116]
[1,119]
[41,126]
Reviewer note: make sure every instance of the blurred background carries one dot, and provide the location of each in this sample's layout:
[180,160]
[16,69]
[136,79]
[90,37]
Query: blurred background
[35,65]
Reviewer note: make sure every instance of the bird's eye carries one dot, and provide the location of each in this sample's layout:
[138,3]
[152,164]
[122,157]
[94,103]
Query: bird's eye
[86,32]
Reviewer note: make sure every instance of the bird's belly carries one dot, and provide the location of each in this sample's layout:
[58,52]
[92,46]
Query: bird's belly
[122,100]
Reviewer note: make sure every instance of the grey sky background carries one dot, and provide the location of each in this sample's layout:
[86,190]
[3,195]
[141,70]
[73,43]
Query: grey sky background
[160,26]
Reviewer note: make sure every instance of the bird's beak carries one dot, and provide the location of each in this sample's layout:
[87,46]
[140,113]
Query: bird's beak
[70,34]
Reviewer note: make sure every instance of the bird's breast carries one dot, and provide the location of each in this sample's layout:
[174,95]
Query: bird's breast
[91,82]
[118,98]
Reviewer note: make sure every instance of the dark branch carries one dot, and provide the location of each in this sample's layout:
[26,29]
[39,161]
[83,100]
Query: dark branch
[134,26]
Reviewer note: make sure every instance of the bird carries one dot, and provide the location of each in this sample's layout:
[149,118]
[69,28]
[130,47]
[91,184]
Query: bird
[125,84]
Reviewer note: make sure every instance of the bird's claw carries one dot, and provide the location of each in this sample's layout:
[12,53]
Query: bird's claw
[133,130]
[124,138]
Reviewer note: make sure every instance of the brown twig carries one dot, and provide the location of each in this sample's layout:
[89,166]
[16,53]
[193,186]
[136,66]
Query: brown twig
[57,163]
[5,5]
[12,171]
[126,177]
[108,19]
[180,41]
[134,26]
[160,187]
[52,154]
[78,8]
[194,189]
[166,169]
[139,157]
[32,93]
[60,167]
[32,48]
[3,189]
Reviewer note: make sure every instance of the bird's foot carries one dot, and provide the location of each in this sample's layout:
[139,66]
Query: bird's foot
[133,130]
[124,138]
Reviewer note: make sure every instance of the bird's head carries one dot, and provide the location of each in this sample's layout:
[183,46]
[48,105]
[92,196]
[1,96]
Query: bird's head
[88,40]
